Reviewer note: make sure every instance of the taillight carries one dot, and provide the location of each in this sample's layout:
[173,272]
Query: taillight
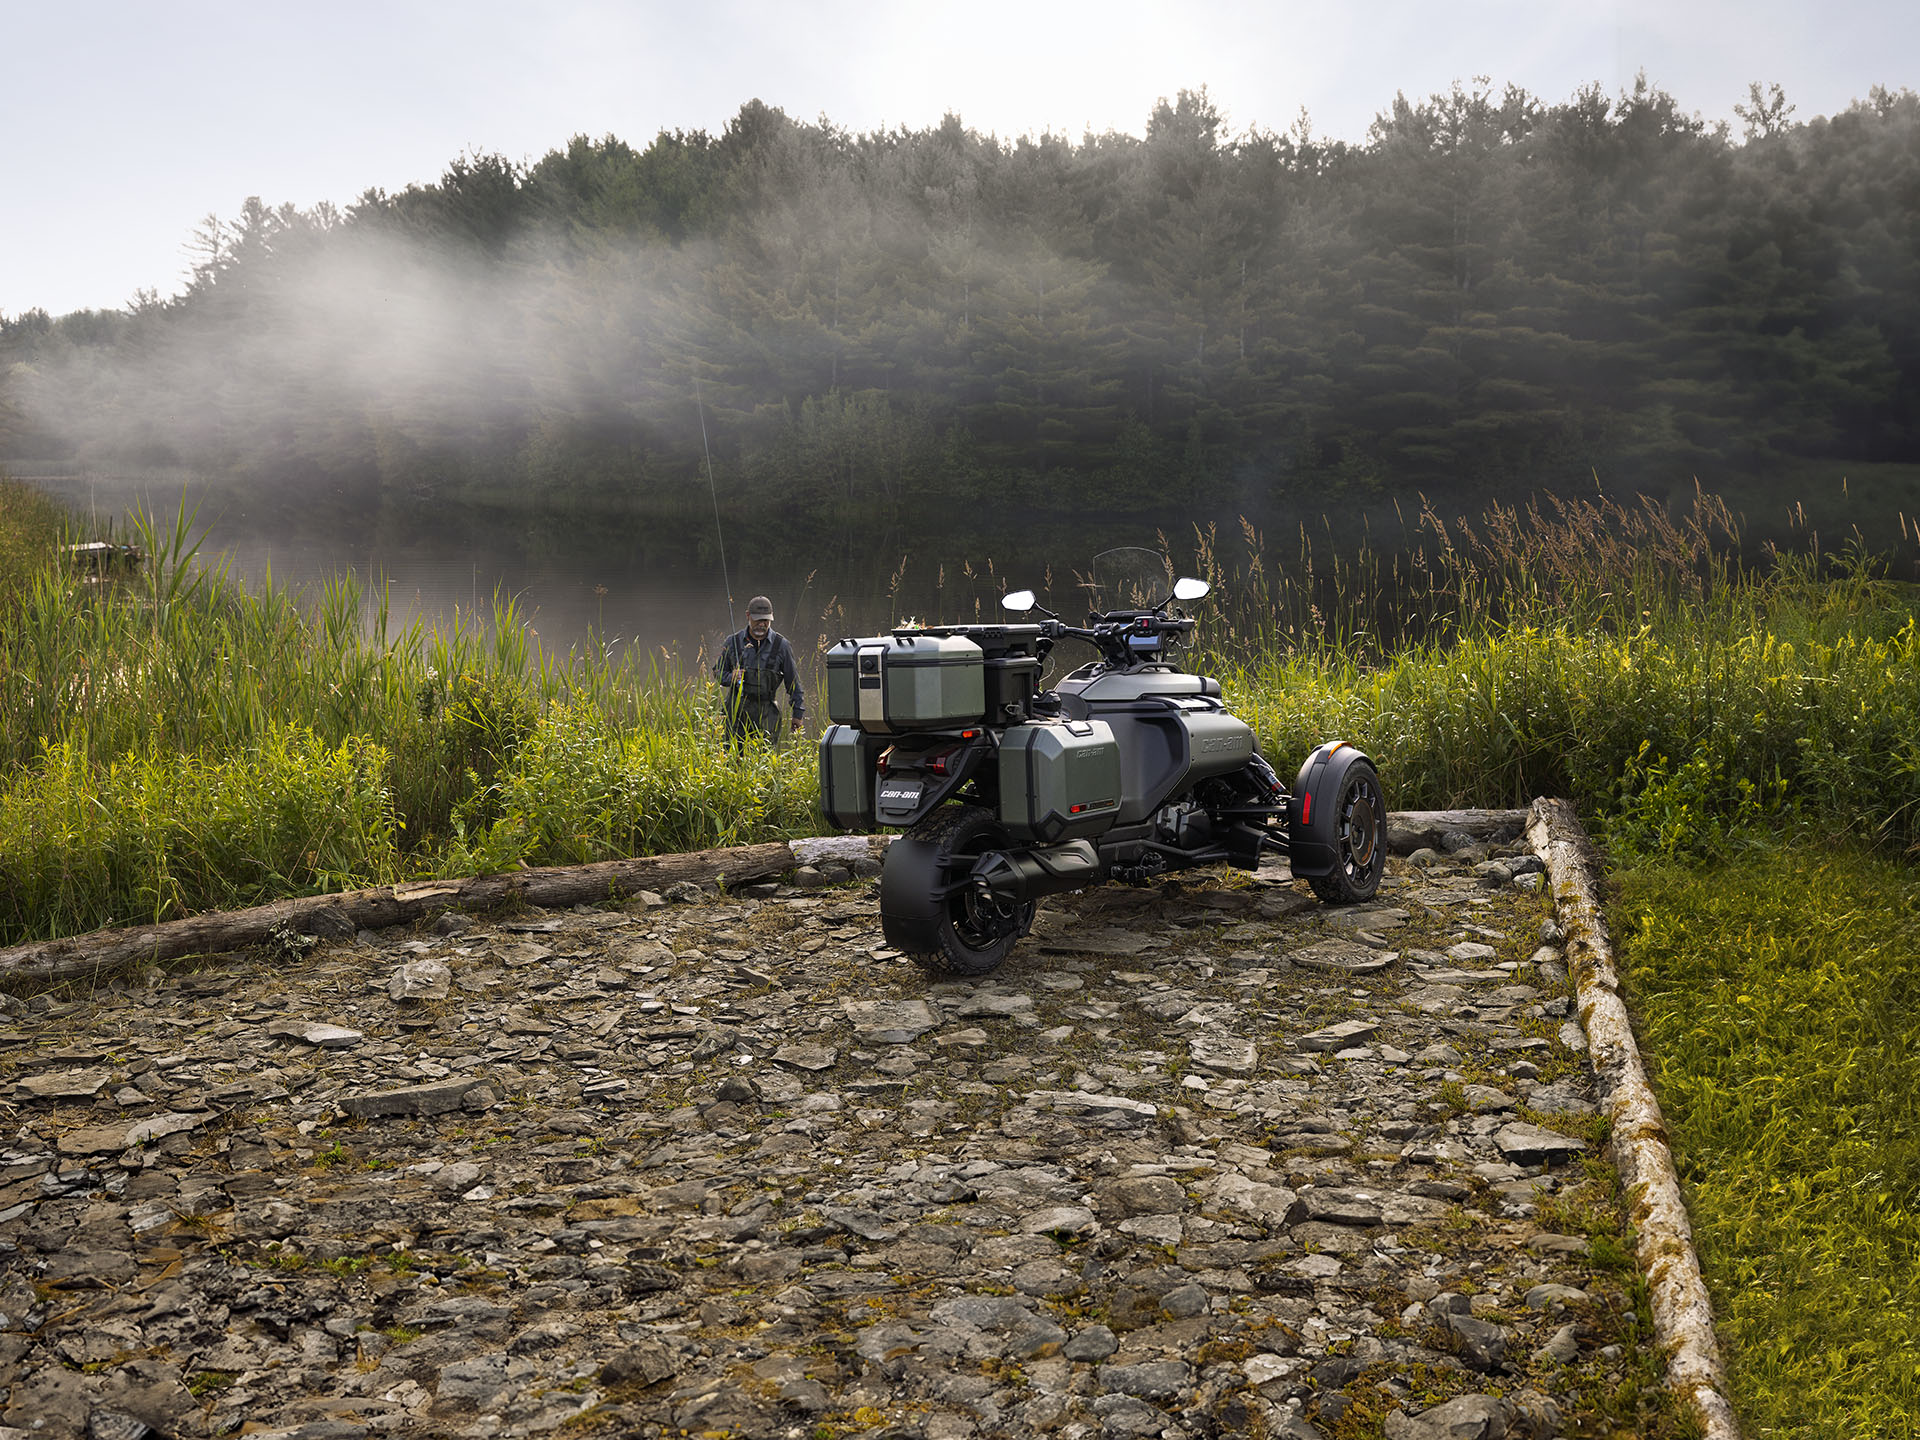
[885,759]
[935,764]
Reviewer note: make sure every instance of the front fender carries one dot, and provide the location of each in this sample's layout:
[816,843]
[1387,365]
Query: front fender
[1313,837]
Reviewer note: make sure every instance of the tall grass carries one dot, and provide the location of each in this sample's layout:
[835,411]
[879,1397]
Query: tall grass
[1611,654]
[1614,654]
[1776,1003]
[30,524]
[177,741]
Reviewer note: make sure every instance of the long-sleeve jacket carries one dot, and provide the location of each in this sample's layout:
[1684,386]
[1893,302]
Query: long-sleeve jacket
[766,665]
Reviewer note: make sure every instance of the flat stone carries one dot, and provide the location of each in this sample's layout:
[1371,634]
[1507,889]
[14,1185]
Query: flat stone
[1154,1229]
[1118,1109]
[1339,1037]
[1127,1416]
[67,1085]
[1548,1296]
[889,1022]
[1142,1195]
[1344,956]
[1224,1054]
[1316,1266]
[1162,1380]
[1470,950]
[420,980]
[1094,1343]
[316,1033]
[807,1057]
[1465,1417]
[1097,942]
[1483,1345]
[993,1007]
[1562,1349]
[102,1139]
[1059,1220]
[1485,1100]
[1530,1145]
[1273,1205]
[1341,1207]
[436,1097]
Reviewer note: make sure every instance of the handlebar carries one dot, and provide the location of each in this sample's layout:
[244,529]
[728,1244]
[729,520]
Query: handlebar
[1120,635]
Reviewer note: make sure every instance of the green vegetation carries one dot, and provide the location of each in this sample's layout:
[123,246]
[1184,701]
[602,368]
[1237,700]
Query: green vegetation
[176,743]
[1778,1005]
[1492,292]
[1614,655]
[30,522]
[1747,743]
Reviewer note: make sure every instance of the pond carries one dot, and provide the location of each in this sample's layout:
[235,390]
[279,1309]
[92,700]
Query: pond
[655,586]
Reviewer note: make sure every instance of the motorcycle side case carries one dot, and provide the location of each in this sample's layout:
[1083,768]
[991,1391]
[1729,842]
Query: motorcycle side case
[847,771]
[1059,779]
[1313,848]
[891,683]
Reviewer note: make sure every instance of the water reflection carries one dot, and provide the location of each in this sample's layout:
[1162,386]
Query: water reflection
[654,585]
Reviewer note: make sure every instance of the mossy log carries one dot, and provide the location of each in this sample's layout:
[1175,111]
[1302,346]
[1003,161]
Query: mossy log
[340,915]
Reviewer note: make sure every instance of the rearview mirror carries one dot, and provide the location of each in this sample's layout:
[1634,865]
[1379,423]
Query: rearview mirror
[1190,589]
[1019,602]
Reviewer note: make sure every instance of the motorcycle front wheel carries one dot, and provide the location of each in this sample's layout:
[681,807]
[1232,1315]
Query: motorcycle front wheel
[1361,840]
[971,932]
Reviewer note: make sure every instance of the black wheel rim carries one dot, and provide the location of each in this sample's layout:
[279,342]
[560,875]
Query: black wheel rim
[1360,827]
[980,919]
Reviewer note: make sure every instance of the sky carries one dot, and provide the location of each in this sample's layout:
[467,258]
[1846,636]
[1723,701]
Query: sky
[128,122]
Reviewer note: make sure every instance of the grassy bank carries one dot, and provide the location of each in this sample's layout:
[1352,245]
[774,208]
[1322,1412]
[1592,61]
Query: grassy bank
[1748,744]
[1778,1005]
[178,742]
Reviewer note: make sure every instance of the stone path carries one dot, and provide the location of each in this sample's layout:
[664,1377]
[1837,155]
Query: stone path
[1200,1160]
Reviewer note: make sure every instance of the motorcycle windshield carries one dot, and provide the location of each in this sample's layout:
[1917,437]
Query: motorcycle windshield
[1129,578]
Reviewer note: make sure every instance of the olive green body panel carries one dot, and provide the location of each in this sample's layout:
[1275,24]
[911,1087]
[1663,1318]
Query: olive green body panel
[846,777]
[892,683]
[1059,779]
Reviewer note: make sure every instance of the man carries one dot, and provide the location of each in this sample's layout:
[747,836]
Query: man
[753,665]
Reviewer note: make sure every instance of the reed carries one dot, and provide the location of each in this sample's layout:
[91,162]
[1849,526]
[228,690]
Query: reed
[1689,701]
[177,741]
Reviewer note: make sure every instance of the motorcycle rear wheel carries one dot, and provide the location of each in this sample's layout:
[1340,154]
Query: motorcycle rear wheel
[974,932]
[1361,842]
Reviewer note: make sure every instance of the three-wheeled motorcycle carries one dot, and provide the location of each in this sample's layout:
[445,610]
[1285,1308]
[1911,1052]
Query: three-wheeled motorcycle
[1125,769]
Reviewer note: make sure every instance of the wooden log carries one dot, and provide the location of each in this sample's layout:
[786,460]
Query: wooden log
[1409,830]
[351,910]
[77,956]
[1663,1235]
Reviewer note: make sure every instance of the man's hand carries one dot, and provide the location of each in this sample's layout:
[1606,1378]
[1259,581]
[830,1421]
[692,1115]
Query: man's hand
[736,675]
[798,723]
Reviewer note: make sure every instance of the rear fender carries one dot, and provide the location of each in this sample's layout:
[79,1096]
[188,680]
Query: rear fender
[911,895]
[939,789]
[1313,837]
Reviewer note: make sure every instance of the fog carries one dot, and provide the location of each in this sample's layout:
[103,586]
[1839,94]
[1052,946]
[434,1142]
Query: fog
[939,345]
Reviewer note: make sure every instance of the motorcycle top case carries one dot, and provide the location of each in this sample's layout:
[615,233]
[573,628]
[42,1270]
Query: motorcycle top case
[891,683]
[846,777]
[1059,779]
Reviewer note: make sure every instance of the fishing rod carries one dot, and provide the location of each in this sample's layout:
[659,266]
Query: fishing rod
[714,490]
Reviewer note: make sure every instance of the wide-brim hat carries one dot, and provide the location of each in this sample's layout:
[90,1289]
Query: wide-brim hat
[759,608]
